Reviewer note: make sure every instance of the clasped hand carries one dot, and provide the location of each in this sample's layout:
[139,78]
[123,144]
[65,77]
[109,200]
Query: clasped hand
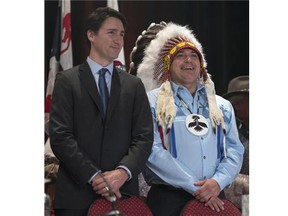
[110,180]
[208,193]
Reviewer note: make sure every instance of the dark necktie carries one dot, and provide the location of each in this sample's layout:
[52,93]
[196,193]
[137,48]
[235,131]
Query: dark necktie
[103,89]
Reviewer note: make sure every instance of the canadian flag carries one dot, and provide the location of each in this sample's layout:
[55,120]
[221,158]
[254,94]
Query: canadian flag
[61,53]
[120,61]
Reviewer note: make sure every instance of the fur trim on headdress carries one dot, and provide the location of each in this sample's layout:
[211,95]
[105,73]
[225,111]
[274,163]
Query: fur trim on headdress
[215,114]
[166,109]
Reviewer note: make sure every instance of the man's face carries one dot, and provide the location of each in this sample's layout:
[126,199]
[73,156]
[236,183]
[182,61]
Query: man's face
[241,107]
[107,43]
[185,68]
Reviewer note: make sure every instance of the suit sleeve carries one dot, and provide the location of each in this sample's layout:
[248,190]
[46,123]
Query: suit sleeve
[142,132]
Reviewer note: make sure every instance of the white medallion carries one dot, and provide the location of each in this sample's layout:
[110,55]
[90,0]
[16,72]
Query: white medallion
[197,124]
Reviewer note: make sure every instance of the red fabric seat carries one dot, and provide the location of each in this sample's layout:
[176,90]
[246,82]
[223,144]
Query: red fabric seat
[132,206]
[196,208]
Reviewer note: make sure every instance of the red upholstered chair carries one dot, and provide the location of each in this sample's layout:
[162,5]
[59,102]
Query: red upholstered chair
[196,208]
[131,206]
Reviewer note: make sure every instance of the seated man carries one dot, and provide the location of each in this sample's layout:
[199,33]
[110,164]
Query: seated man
[196,151]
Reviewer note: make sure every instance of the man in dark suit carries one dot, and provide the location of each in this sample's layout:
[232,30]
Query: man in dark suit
[99,150]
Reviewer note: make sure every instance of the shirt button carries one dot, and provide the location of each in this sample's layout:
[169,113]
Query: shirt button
[204,157]
[204,177]
[202,138]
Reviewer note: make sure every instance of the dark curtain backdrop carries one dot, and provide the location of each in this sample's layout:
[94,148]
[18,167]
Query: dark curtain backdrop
[222,27]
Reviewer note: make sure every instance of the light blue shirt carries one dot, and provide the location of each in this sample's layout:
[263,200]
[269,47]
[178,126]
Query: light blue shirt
[95,67]
[190,158]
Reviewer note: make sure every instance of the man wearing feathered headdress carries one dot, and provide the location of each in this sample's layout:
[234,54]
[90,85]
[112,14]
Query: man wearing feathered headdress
[196,151]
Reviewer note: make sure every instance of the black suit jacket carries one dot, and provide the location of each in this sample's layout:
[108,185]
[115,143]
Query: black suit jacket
[84,141]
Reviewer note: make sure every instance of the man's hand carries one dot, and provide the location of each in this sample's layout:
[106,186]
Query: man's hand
[208,188]
[113,179]
[208,193]
[215,203]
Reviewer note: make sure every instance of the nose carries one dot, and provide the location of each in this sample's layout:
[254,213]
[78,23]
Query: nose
[118,39]
[187,59]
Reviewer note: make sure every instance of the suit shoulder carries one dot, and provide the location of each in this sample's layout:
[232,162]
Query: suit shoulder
[70,71]
[126,75]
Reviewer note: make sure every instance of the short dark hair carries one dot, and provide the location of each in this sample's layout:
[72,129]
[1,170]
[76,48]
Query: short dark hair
[99,15]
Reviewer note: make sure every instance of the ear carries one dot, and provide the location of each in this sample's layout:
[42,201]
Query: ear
[237,106]
[90,35]
[204,74]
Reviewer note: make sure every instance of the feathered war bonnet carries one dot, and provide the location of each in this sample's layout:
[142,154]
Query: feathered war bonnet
[151,59]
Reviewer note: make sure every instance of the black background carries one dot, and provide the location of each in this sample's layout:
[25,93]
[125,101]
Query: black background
[222,27]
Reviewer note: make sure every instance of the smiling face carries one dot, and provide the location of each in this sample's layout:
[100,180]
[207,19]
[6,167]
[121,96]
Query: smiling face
[107,43]
[185,69]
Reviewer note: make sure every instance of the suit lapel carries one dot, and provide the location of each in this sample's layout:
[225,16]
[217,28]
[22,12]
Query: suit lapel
[88,81]
[114,93]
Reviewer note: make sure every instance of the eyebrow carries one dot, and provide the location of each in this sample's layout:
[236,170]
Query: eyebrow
[114,29]
[190,51]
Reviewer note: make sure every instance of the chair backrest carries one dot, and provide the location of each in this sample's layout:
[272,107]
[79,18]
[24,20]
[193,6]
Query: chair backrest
[131,206]
[196,208]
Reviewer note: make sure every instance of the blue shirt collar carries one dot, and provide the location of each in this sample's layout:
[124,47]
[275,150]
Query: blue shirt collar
[186,95]
[95,67]
[177,88]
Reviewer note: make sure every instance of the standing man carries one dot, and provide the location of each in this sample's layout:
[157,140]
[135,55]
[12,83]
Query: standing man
[102,146]
[196,151]
[238,95]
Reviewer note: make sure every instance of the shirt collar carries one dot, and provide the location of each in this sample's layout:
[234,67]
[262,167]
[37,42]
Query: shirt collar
[95,67]
[184,92]
[177,88]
